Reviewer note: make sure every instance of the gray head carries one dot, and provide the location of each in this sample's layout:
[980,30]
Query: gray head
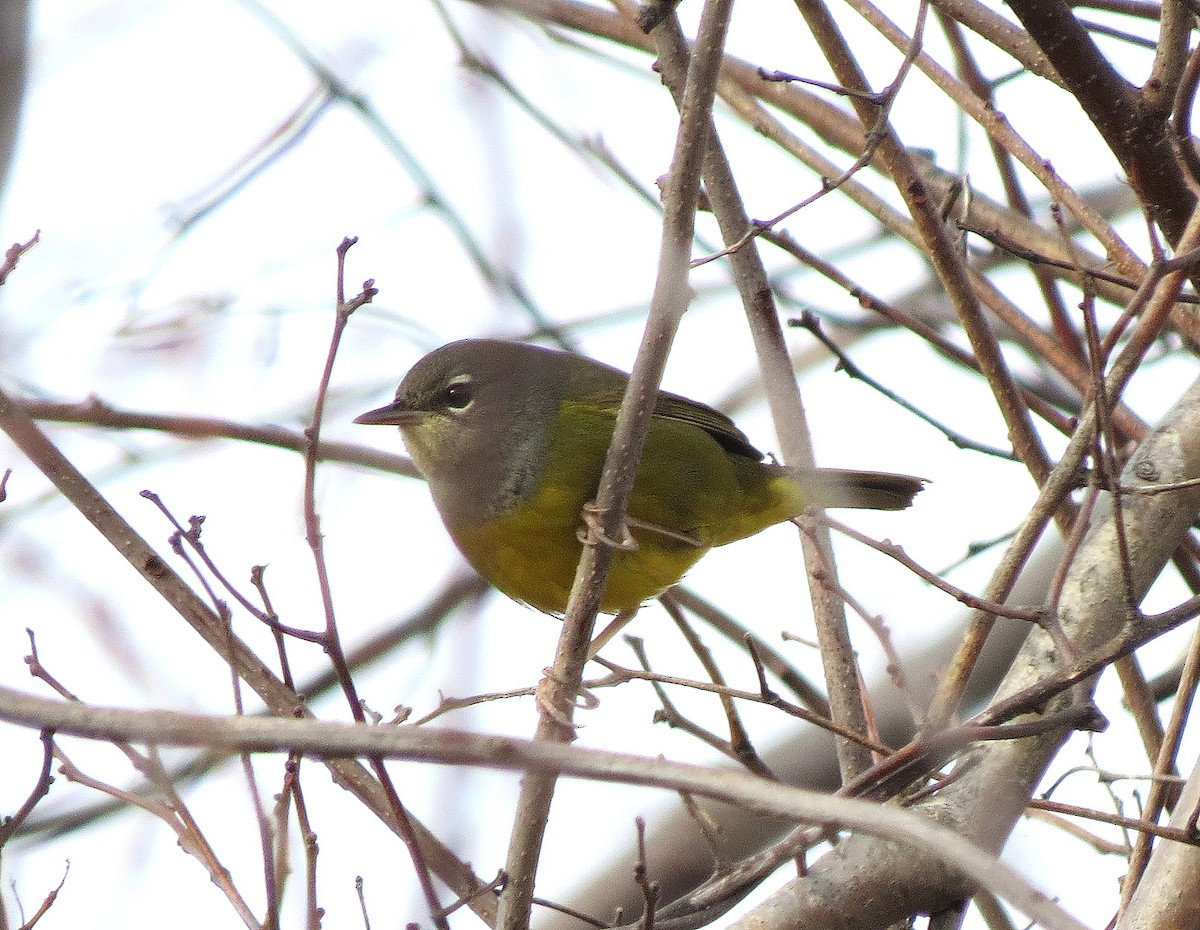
[474,415]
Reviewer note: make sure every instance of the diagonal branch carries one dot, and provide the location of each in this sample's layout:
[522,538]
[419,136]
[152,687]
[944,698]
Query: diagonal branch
[1135,132]
[986,801]
[668,304]
[275,694]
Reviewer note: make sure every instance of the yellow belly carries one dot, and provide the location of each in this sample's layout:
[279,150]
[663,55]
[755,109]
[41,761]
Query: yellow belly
[685,483]
[531,555]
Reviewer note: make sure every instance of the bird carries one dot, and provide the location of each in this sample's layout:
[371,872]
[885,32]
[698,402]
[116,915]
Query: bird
[512,438]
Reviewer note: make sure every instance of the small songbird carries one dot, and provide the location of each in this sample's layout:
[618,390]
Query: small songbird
[512,439]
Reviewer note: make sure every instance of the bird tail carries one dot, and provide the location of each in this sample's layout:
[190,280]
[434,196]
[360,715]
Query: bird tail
[872,490]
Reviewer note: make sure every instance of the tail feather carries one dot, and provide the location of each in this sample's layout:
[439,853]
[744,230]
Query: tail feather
[872,490]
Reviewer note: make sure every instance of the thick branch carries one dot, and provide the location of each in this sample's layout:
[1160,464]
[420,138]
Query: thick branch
[1168,894]
[986,801]
[1136,133]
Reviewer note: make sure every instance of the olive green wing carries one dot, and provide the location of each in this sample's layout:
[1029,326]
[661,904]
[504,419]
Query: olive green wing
[674,407]
[712,421]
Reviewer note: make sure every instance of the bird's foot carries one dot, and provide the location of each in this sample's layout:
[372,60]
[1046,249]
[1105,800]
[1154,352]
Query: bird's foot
[591,533]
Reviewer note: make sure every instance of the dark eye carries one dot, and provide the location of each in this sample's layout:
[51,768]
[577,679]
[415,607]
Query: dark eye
[457,396]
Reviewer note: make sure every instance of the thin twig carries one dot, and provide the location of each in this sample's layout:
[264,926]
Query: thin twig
[670,300]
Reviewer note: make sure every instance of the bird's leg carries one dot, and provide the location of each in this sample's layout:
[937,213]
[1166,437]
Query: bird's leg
[663,531]
[591,533]
[615,626]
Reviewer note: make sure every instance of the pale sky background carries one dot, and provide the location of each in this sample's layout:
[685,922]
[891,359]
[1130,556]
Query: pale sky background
[135,112]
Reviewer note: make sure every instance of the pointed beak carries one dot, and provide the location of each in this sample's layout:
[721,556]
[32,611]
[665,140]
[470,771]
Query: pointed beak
[392,415]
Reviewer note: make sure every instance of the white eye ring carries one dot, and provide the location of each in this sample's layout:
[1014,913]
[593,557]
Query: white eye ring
[459,394]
